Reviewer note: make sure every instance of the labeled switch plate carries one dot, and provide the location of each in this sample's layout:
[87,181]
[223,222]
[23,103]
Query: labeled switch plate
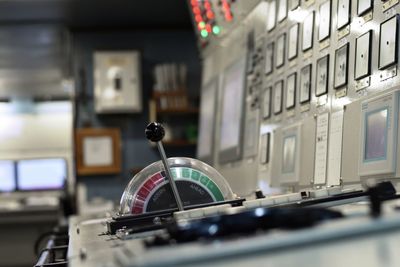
[363,6]
[282,10]
[305,84]
[269,58]
[294,4]
[291,91]
[264,144]
[293,41]
[343,13]
[278,90]
[362,65]
[341,66]
[266,107]
[308,32]
[321,86]
[117,82]
[271,19]
[280,50]
[324,21]
[388,42]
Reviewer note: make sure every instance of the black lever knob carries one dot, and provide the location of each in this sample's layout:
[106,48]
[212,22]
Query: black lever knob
[155,132]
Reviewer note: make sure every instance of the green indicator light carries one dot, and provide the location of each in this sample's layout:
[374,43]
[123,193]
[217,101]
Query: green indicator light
[216,30]
[204,33]
[202,25]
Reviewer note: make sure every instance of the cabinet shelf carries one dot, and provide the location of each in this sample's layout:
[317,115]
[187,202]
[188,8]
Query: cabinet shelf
[178,111]
[177,143]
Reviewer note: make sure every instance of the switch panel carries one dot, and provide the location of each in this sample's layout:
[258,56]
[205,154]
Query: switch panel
[308,32]
[117,83]
[388,42]
[363,6]
[280,50]
[321,86]
[362,66]
[294,4]
[264,148]
[341,66]
[305,84]
[293,41]
[282,10]
[269,58]
[324,21]
[291,91]
[271,19]
[266,107]
[278,91]
[343,13]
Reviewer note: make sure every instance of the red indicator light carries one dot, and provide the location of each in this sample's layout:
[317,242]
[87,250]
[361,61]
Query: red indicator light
[198,18]
[207,5]
[194,2]
[210,14]
[196,10]
[225,5]
[208,28]
[228,16]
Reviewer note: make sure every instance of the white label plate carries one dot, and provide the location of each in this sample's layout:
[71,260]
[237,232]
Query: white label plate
[321,87]
[291,91]
[308,32]
[362,58]
[305,84]
[278,89]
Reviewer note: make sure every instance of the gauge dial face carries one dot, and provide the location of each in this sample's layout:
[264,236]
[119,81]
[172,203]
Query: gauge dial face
[194,188]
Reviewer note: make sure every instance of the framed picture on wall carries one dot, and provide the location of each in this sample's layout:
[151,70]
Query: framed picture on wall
[98,151]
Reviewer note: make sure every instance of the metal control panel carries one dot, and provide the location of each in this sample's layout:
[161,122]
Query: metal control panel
[312,68]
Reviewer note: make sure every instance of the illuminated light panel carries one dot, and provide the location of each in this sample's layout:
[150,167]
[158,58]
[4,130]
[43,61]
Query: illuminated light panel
[194,2]
[201,25]
[198,18]
[207,5]
[208,28]
[228,16]
[210,14]
[204,33]
[196,10]
[216,30]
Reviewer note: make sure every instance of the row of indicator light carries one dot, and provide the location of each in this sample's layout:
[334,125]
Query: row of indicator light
[205,17]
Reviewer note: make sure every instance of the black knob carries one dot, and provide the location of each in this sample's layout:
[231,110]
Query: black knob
[155,132]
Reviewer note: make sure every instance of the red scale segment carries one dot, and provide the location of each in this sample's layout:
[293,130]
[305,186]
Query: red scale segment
[144,191]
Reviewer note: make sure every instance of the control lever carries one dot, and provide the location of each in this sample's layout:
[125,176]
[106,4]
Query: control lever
[378,193]
[155,133]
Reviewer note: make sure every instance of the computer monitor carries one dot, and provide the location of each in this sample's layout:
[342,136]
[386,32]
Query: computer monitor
[207,121]
[231,134]
[7,176]
[41,174]
[378,147]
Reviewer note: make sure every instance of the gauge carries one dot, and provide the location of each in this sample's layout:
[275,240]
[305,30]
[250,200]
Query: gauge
[197,183]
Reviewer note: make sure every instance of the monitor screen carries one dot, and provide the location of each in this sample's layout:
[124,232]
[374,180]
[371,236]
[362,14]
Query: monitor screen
[376,135]
[207,116]
[7,176]
[232,111]
[41,174]
[289,154]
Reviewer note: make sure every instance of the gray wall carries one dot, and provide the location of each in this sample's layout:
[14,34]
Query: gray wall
[156,46]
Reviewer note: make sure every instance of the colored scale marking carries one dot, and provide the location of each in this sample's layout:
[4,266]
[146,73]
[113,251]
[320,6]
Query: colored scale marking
[181,173]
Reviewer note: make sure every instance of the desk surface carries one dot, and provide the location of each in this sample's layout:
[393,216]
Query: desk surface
[356,240]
